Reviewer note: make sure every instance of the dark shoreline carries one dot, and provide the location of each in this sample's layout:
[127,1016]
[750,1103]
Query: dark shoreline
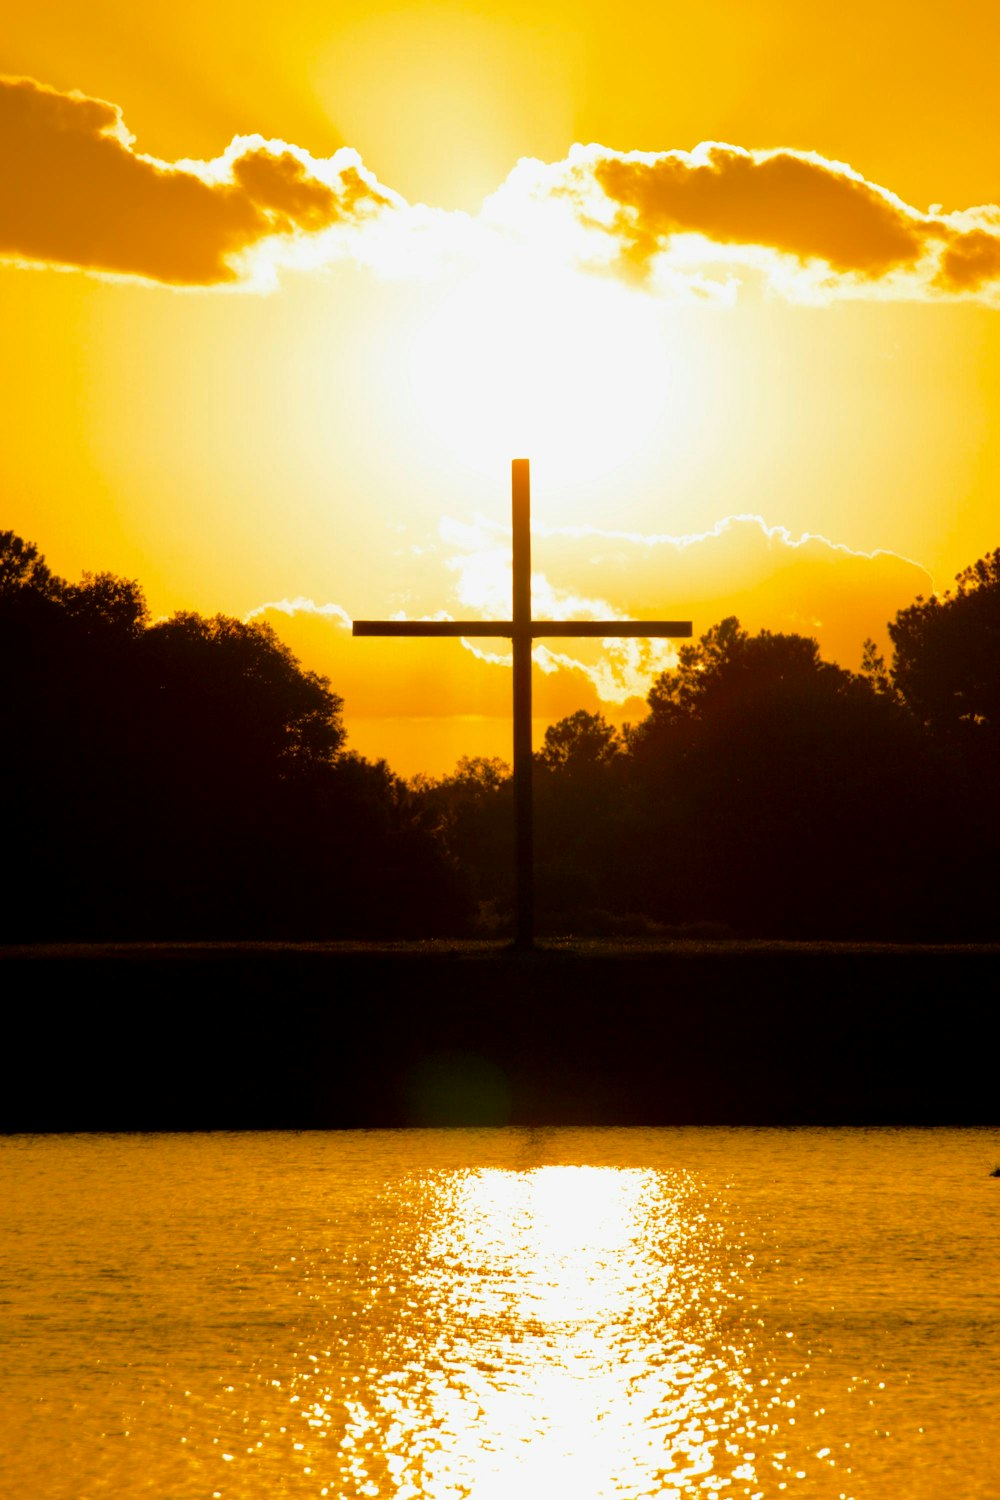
[332,1035]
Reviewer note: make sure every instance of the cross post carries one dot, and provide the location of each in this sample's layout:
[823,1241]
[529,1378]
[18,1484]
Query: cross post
[521,630]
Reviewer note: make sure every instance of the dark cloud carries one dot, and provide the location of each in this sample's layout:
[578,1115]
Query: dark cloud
[970,261]
[74,192]
[796,204]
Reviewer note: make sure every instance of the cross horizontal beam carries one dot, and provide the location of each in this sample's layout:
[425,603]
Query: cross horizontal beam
[591,629]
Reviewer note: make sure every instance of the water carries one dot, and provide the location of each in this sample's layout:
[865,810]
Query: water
[513,1314]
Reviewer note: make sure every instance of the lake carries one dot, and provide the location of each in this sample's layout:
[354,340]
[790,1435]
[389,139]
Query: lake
[501,1313]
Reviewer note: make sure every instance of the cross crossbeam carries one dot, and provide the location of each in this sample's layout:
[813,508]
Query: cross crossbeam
[521,630]
[591,629]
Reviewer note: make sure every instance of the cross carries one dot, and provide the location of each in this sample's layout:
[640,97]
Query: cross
[521,630]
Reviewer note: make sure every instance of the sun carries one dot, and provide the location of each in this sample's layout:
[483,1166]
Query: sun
[573,369]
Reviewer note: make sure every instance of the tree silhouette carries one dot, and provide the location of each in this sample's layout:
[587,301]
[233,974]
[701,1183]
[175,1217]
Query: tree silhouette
[946,663]
[579,744]
[470,815]
[946,669]
[103,603]
[783,791]
[234,689]
[730,672]
[188,779]
[767,792]
[23,567]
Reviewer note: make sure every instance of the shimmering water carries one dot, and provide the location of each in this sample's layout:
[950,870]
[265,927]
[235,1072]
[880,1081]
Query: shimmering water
[508,1313]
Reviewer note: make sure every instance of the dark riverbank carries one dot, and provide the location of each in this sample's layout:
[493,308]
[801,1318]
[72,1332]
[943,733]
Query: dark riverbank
[241,1036]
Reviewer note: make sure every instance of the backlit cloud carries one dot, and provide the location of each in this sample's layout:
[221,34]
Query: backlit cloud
[75,192]
[742,566]
[971,260]
[800,205]
[813,228]
[764,574]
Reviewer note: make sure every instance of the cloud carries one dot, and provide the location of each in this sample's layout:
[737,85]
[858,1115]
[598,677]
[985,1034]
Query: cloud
[813,228]
[797,204]
[380,677]
[300,605]
[75,192]
[764,574]
[615,670]
[970,261]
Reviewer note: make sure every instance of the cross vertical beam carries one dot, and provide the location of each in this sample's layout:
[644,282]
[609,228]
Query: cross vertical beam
[521,630]
[524,854]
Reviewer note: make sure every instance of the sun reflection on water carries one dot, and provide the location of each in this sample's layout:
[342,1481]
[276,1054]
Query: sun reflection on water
[564,1331]
[444,1314]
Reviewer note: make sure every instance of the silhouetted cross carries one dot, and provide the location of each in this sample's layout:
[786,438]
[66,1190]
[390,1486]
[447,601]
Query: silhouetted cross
[521,631]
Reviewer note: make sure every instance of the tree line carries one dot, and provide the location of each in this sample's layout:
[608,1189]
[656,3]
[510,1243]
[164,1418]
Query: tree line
[187,778]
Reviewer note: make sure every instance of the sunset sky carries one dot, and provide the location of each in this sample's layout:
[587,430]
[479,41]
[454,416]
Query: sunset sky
[280,300]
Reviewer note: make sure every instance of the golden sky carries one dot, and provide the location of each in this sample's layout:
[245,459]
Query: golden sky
[280,300]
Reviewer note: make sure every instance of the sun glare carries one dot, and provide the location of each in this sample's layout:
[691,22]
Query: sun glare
[573,369]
